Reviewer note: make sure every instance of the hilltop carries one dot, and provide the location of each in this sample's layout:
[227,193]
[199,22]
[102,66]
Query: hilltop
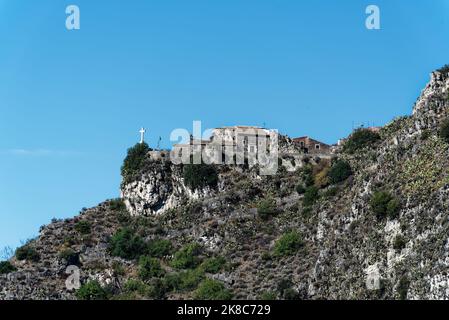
[369,222]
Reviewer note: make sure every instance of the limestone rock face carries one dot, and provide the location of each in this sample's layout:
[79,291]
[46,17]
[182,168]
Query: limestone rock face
[159,188]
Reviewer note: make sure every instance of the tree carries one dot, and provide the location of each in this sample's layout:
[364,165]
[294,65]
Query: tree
[134,159]
[310,196]
[186,257]
[339,172]
[384,204]
[288,244]
[27,252]
[6,267]
[212,290]
[91,290]
[149,268]
[360,139]
[126,244]
[267,208]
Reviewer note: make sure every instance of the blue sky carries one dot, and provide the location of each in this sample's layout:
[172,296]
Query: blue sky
[72,102]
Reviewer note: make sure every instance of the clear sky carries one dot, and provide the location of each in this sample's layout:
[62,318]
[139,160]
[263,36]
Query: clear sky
[72,102]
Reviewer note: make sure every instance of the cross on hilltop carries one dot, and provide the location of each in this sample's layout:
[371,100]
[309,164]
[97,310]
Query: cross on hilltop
[142,135]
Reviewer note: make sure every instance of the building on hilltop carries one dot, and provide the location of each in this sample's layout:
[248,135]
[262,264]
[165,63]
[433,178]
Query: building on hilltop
[312,146]
[226,143]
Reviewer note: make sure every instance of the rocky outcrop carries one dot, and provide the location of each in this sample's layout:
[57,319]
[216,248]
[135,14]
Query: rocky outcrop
[347,253]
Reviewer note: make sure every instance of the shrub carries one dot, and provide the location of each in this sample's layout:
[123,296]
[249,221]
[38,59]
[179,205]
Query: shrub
[288,244]
[425,134]
[360,139]
[126,244]
[159,248]
[268,295]
[284,285]
[149,268]
[266,208]
[393,208]
[6,267]
[134,159]
[383,204]
[307,176]
[186,257]
[91,290]
[200,176]
[300,189]
[339,172]
[310,196]
[212,290]
[70,256]
[290,294]
[213,265]
[83,227]
[444,131]
[189,280]
[117,205]
[138,286]
[399,243]
[157,289]
[27,252]
[403,287]
[118,268]
[183,281]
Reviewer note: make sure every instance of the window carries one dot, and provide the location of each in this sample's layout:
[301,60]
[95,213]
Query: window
[301,144]
[252,149]
[317,146]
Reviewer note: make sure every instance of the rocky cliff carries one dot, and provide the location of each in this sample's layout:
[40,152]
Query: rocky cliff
[303,233]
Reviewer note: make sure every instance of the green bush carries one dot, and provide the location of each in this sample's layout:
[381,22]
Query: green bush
[444,131]
[189,280]
[70,256]
[399,243]
[138,286]
[300,189]
[360,139]
[384,204]
[290,294]
[83,227]
[126,244]
[200,175]
[268,295]
[6,267]
[213,265]
[212,290]
[307,176]
[149,268]
[266,208]
[134,159]
[117,205]
[186,257]
[339,172]
[159,248]
[27,252]
[310,196]
[288,244]
[91,290]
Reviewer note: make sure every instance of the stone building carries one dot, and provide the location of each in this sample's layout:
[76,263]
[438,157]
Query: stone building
[227,143]
[312,146]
